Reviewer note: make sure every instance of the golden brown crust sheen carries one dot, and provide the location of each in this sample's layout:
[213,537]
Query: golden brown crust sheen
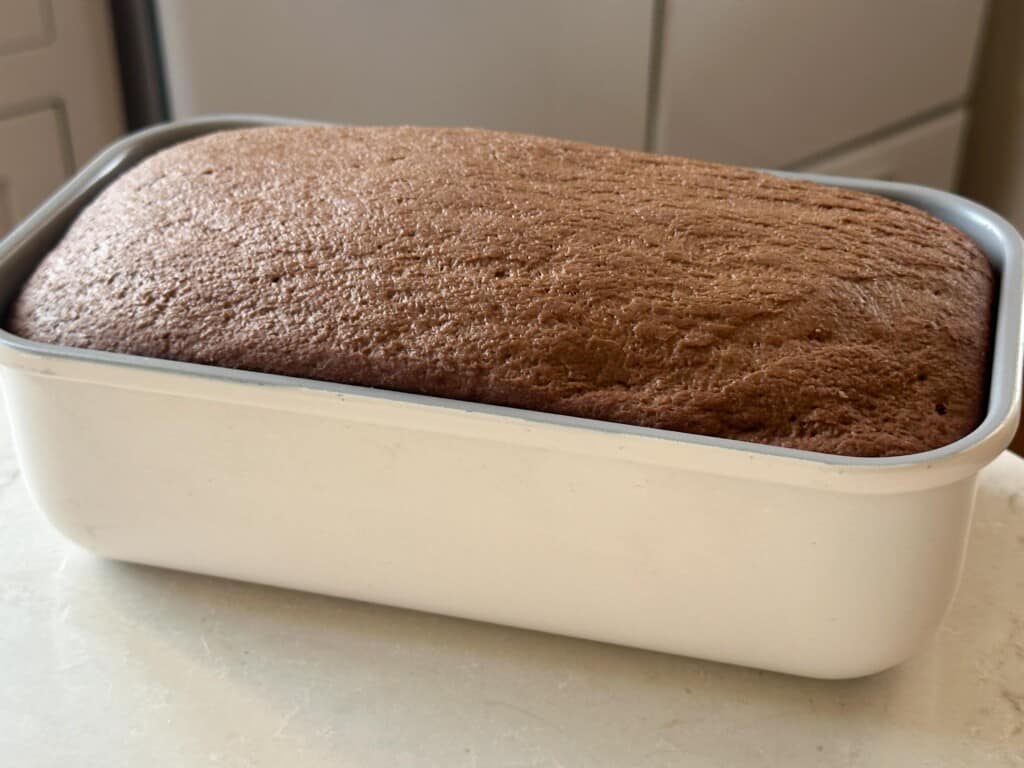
[536,273]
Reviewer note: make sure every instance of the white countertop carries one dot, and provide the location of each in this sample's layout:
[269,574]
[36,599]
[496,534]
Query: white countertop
[106,664]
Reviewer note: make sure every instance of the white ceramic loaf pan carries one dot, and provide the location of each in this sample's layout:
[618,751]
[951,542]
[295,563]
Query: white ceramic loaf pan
[787,560]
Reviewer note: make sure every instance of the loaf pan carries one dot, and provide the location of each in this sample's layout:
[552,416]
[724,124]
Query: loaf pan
[782,559]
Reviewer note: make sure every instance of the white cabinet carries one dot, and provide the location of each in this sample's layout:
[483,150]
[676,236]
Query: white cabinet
[559,67]
[74,70]
[60,100]
[778,84]
[26,24]
[925,154]
[773,83]
[32,163]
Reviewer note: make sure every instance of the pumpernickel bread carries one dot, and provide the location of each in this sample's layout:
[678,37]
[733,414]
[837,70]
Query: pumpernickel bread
[535,273]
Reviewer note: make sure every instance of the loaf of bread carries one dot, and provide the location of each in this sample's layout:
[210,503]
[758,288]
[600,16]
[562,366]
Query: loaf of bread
[539,274]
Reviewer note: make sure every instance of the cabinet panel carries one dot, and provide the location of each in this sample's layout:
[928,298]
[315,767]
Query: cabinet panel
[557,67]
[926,154]
[25,24]
[76,70]
[32,163]
[770,84]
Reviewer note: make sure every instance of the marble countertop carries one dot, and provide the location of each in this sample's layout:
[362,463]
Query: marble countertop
[107,664]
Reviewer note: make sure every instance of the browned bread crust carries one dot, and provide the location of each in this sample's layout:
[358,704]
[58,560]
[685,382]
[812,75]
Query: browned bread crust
[535,273]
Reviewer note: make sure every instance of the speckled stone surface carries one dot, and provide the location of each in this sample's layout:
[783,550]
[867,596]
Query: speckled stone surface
[108,666]
[535,273]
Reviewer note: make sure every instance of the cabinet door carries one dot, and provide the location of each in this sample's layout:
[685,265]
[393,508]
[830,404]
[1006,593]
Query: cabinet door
[26,24]
[559,67]
[61,53]
[926,154]
[32,163]
[773,83]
